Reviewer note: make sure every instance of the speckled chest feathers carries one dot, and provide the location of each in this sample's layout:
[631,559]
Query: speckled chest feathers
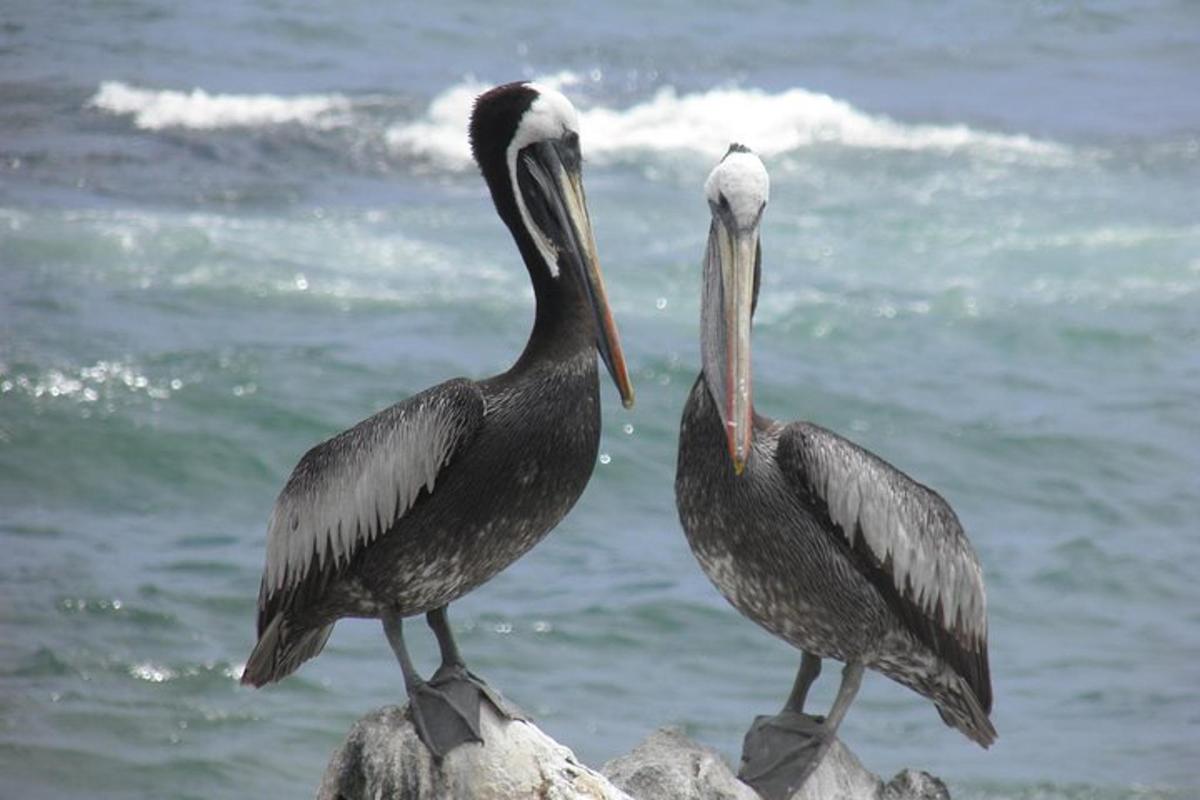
[763,548]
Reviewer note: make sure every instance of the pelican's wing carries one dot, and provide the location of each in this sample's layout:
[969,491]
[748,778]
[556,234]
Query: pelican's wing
[348,490]
[908,541]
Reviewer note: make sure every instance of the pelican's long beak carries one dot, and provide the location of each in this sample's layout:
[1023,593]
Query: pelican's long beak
[556,202]
[725,335]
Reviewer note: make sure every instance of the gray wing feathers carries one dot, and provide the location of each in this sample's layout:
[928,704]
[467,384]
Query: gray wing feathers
[348,490]
[908,527]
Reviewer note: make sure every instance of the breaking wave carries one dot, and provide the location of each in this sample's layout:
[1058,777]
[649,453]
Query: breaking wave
[158,109]
[667,122]
[706,122]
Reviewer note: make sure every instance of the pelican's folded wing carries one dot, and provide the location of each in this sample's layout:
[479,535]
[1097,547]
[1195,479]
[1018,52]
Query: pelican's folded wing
[348,490]
[910,535]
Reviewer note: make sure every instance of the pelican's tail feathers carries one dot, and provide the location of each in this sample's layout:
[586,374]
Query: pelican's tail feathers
[281,650]
[961,709]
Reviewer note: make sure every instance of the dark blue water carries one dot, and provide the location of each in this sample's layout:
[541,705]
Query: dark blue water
[230,230]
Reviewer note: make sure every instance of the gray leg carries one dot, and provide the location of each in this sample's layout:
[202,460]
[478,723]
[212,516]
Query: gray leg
[780,753]
[441,629]
[810,668]
[393,627]
[442,719]
[851,679]
[454,677]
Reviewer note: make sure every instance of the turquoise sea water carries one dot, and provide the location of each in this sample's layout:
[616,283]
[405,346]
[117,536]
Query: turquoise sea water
[228,231]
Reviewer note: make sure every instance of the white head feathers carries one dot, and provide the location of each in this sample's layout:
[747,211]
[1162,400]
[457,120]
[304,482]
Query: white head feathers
[550,116]
[741,179]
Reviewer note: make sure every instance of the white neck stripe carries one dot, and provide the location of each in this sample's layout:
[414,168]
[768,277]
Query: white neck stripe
[549,116]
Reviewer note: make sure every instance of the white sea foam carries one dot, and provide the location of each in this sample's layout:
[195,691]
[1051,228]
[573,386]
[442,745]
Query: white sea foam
[703,122]
[151,672]
[157,109]
[101,381]
[706,122]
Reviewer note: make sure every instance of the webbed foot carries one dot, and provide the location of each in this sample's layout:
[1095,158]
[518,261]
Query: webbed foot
[445,716]
[444,709]
[780,752]
[456,675]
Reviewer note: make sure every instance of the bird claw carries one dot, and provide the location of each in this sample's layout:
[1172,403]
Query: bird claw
[780,752]
[445,709]
[445,716]
[451,674]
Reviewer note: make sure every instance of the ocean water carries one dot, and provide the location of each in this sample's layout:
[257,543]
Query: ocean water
[229,230]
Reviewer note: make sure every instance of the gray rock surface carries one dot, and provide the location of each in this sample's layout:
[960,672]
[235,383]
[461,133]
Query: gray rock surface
[667,764]
[670,766]
[911,784]
[382,759]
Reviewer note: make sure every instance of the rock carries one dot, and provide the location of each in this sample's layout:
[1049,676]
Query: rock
[912,784]
[841,775]
[667,764]
[382,759]
[670,766]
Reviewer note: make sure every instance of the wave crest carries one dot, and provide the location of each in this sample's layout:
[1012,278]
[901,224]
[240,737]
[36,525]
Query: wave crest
[706,122]
[702,123]
[158,109]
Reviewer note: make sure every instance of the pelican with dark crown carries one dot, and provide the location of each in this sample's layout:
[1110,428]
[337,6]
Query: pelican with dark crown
[419,504]
[821,542]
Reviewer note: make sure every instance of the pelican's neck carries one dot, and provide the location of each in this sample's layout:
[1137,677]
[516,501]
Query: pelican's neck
[563,323]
